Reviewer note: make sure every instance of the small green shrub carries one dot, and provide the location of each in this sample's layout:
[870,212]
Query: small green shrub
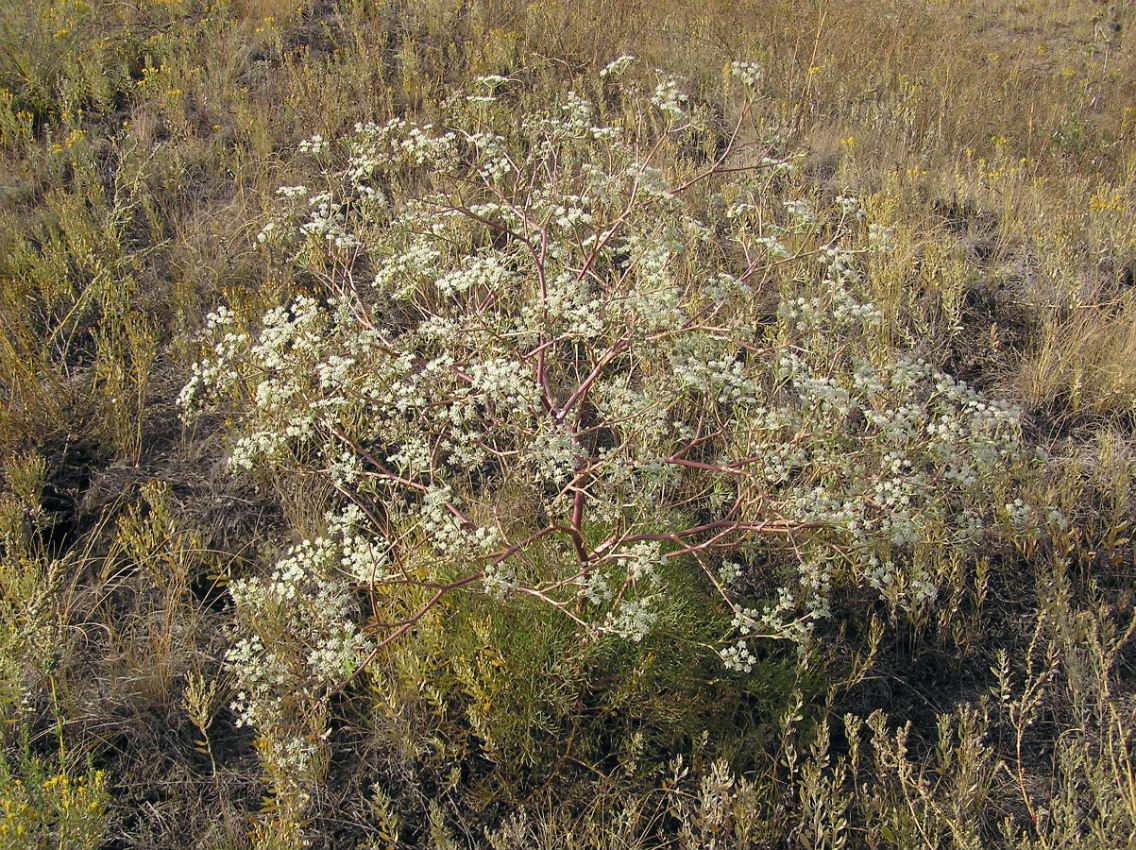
[49,806]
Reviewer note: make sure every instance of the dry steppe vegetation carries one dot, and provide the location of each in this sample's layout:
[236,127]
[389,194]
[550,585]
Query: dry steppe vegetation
[470,423]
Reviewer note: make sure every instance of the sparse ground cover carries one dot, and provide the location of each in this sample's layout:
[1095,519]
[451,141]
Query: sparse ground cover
[460,424]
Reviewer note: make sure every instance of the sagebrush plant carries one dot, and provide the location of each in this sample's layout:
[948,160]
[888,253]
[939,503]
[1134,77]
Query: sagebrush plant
[550,359]
[26,579]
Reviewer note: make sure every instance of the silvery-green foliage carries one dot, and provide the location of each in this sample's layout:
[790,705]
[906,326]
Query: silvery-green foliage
[546,356]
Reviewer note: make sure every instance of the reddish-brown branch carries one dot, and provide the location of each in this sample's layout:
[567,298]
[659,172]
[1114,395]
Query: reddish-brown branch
[376,463]
[582,390]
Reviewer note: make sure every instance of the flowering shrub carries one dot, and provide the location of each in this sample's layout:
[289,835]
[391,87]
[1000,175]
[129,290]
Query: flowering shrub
[551,357]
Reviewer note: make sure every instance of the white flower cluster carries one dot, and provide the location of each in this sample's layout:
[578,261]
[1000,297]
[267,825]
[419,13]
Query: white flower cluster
[633,620]
[738,657]
[850,207]
[724,378]
[567,306]
[748,72]
[293,191]
[881,238]
[418,146]
[477,273]
[495,161]
[362,553]
[780,619]
[617,67]
[327,220]
[555,454]
[802,213]
[229,344]
[316,145]
[403,274]
[594,588]
[668,99]
[447,533]
[642,561]
[1020,514]
[302,633]
[504,382]
[729,573]
[890,457]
